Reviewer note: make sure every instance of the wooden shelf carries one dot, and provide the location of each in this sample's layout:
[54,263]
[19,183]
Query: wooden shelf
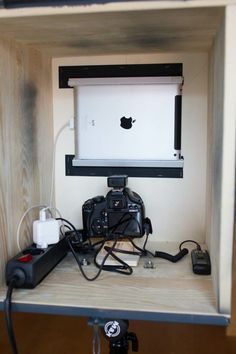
[168,292]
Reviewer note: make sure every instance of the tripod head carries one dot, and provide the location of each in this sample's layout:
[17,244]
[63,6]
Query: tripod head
[115,331]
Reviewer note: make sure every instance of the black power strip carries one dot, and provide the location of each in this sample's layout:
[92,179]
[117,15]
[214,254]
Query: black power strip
[30,266]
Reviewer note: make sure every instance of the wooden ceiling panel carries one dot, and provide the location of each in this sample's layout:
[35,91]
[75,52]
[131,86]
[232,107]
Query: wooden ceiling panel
[116,32]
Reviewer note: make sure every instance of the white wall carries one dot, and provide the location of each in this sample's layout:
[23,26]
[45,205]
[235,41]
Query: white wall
[177,207]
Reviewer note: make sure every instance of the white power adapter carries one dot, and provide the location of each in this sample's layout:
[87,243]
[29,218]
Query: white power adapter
[46,231]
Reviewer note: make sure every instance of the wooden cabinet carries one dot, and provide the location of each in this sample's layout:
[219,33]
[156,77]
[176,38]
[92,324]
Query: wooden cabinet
[33,42]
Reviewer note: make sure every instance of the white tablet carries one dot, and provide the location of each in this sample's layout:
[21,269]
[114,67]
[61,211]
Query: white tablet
[126,121]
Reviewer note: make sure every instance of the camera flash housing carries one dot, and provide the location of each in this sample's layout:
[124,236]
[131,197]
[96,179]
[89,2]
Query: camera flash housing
[117,181]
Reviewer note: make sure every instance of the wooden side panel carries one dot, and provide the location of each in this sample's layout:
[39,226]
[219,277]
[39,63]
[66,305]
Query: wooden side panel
[25,121]
[215,141]
[221,132]
[228,162]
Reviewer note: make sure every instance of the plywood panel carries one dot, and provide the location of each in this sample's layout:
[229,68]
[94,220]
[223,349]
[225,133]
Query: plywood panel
[169,288]
[63,335]
[116,32]
[25,112]
[221,158]
[215,125]
[228,162]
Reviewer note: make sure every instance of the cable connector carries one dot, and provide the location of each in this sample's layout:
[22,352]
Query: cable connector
[17,278]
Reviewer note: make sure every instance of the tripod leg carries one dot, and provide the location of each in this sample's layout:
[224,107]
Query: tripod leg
[96,338]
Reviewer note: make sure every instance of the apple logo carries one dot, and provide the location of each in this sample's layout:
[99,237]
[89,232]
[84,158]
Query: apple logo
[127,123]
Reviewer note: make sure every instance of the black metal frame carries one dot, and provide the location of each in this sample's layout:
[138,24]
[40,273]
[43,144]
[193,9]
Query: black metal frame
[130,70]
[154,172]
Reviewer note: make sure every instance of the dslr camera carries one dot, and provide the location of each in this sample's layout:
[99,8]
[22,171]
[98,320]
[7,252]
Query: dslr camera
[120,214]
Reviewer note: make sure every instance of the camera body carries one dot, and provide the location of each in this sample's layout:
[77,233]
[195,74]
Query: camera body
[120,214]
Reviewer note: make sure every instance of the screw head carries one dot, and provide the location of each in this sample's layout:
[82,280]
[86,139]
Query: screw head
[149,265]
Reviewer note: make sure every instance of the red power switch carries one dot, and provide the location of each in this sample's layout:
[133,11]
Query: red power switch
[25,258]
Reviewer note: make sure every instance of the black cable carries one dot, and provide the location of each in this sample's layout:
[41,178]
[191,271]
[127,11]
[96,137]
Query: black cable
[8,317]
[172,258]
[159,254]
[191,241]
[120,222]
[75,256]
[72,226]
[145,243]
[64,226]
[124,268]
[102,264]
[143,250]
[118,250]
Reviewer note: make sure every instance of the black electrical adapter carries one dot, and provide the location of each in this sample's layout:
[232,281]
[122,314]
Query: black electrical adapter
[31,265]
[201,262]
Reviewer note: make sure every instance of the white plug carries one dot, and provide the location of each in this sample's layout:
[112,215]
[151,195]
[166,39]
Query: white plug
[46,231]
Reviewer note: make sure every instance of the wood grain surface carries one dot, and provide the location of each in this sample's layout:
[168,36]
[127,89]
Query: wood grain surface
[168,288]
[116,32]
[63,335]
[25,111]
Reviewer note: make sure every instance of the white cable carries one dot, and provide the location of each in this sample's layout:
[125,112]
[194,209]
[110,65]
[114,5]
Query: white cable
[50,207]
[54,160]
[58,212]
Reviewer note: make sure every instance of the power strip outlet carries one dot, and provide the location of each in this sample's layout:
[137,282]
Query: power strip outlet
[30,266]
